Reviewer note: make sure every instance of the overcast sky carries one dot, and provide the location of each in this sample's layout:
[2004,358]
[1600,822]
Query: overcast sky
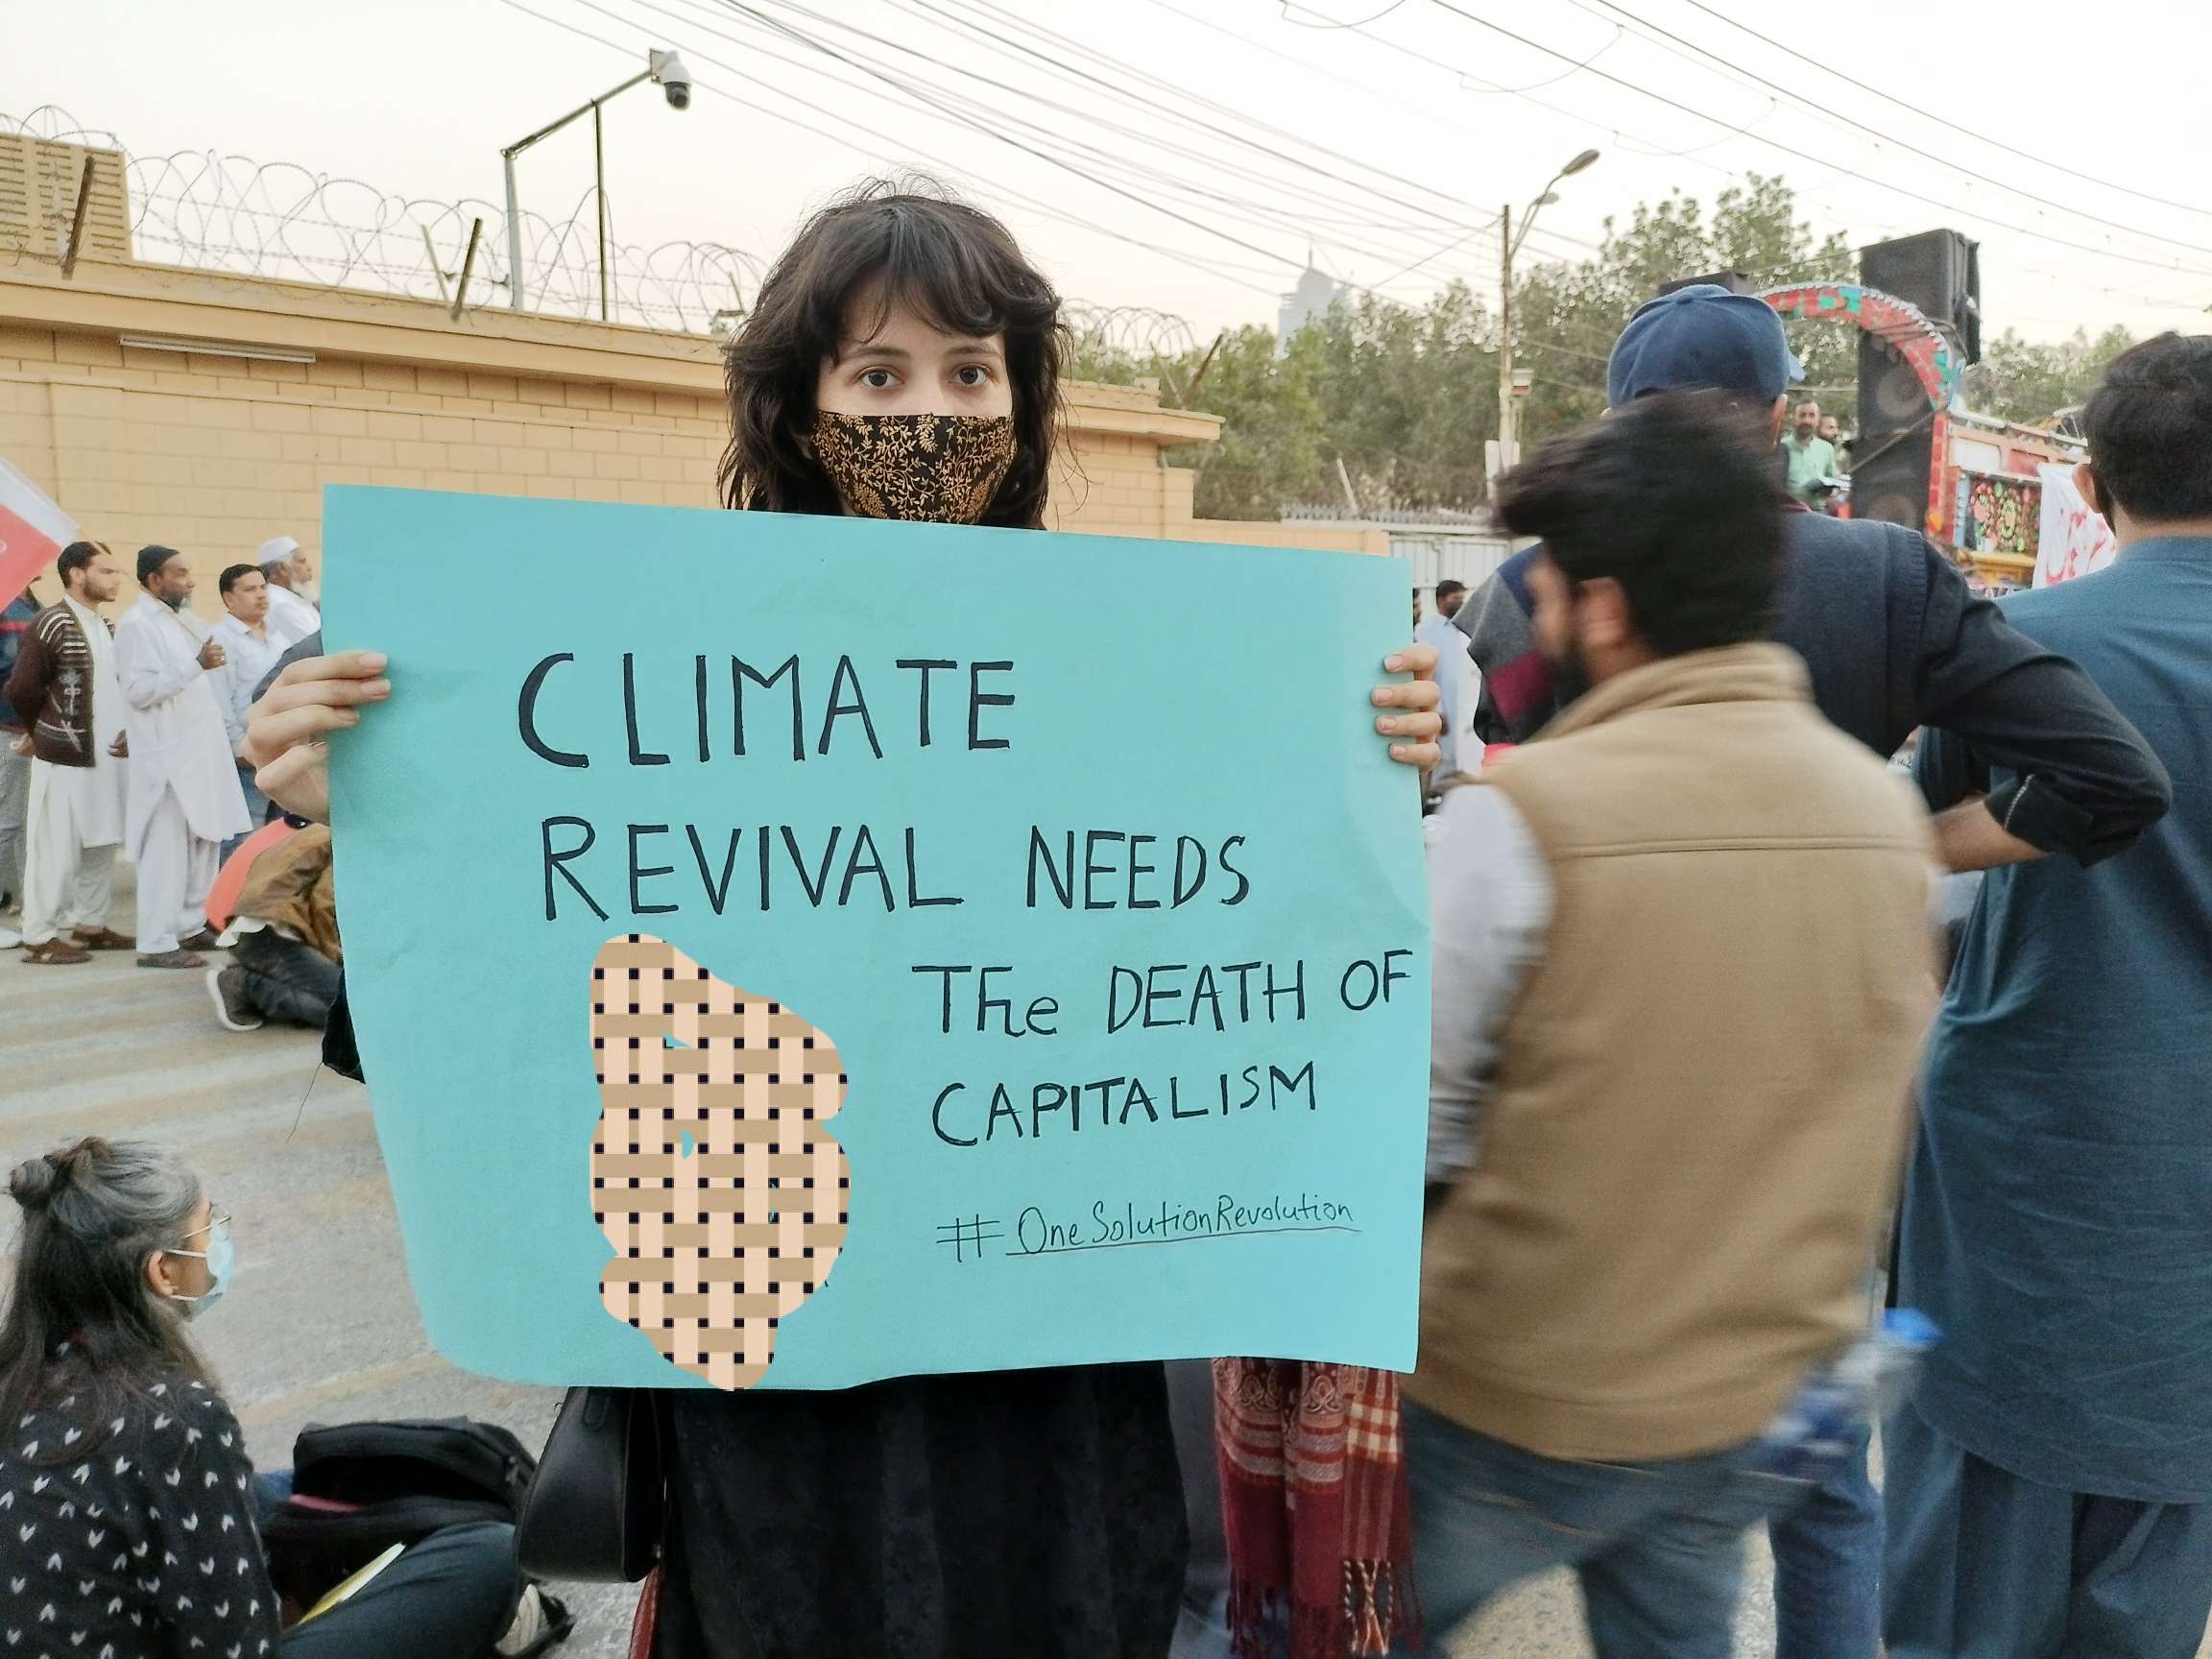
[1194,150]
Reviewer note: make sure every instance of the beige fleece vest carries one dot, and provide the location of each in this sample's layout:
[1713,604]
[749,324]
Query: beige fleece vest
[1702,1095]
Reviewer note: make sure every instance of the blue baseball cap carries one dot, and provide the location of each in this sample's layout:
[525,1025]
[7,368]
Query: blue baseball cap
[1702,338]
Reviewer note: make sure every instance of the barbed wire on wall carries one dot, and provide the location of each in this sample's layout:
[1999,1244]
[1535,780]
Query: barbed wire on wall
[1136,332]
[204,210]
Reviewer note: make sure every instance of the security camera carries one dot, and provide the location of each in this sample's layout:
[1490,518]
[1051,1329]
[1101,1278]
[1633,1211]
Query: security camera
[674,79]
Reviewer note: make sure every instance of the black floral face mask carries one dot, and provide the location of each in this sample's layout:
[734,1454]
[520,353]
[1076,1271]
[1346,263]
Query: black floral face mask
[938,468]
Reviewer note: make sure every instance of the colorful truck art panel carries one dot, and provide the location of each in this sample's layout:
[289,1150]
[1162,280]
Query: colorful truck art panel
[1906,328]
[1998,514]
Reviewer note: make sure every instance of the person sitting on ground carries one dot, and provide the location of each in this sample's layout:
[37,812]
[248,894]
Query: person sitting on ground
[129,1499]
[282,939]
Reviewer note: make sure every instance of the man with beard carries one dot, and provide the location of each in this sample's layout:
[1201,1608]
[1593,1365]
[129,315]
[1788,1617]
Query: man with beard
[293,611]
[64,690]
[184,796]
[1681,971]
[1895,640]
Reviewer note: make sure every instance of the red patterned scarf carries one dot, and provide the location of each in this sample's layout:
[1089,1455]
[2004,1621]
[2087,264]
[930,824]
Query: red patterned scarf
[1314,1504]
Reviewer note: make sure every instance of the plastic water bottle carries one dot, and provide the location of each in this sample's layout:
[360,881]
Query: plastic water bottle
[1816,1430]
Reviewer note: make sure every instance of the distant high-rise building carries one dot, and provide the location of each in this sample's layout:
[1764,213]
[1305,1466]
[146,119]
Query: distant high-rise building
[1315,293]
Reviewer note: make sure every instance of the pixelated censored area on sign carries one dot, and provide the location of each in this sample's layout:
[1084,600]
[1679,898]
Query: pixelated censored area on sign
[712,1174]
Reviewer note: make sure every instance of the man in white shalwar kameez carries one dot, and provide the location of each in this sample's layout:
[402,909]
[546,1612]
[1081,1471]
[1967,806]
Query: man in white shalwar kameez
[67,693]
[184,796]
[293,613]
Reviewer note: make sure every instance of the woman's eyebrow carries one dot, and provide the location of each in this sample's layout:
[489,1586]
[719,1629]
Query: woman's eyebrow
[873,348]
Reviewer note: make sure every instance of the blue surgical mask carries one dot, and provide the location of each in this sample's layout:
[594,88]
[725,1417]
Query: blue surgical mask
[220,1260]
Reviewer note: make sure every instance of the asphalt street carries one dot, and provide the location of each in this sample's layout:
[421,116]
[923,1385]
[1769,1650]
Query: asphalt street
[321,1325]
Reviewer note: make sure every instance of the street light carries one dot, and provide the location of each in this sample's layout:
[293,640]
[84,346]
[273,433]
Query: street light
[663,68]
[1511,386]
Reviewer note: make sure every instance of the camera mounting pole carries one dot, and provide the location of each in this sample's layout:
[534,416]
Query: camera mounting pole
[664,67]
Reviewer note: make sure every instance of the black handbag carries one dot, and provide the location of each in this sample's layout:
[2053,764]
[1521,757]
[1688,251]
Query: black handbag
[598,1507]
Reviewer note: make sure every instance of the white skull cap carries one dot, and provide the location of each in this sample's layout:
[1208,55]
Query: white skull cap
[274,549]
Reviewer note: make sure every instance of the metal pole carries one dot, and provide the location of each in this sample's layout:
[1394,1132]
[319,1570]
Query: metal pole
[76,222]
[514,238]
[599,197]
[467,264]
[508,155]
[1506,424]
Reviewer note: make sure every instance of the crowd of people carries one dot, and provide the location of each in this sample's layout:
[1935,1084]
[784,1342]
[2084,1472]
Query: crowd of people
[1703,1098]
[127,735]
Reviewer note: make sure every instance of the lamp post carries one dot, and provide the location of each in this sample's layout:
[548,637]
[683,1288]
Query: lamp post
[666,69]
[1512,387]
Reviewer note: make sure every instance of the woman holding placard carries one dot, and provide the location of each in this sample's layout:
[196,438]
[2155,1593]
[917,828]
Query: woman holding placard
[902,361]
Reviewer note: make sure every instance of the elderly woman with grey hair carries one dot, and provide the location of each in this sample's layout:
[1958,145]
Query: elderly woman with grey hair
[127,1502]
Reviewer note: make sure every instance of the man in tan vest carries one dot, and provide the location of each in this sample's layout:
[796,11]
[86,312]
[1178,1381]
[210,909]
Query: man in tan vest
[1681,971]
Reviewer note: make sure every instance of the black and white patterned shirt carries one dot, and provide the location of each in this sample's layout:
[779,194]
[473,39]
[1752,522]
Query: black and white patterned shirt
[144,1549]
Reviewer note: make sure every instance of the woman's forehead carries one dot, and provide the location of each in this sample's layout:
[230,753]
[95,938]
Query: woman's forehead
[902,327]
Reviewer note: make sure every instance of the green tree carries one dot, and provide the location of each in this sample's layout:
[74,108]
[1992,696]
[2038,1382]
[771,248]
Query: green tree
[2025,382]
[1406,397]
[1274,445]
[1567,315]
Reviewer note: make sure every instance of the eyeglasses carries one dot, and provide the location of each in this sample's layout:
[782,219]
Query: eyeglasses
[217,1219]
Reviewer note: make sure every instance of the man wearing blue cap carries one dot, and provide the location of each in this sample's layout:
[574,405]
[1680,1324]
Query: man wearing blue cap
[1895,640]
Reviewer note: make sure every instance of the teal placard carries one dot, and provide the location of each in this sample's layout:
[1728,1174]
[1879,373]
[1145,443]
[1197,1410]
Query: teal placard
[1151,847]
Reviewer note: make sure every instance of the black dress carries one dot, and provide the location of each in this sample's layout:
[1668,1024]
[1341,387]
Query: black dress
[1036,1514]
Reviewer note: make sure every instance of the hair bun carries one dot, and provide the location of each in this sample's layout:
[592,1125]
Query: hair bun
[32,1184]
[35,1183]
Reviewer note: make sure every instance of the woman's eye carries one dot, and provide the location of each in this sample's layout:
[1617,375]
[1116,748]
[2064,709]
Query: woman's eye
[875,379]
[974,375]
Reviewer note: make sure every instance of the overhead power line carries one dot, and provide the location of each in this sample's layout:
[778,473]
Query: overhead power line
[1927,114]
[1459,10]
[1690,51]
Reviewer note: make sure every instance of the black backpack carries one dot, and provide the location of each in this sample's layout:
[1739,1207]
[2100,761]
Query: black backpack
[358,1488]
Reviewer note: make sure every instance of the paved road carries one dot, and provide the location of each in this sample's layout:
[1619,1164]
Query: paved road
[321,1326]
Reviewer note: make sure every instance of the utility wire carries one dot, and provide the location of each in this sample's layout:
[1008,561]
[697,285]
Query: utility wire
[896,148]
[1927,115]
[1790,150]
[1684,49]
[1046,138]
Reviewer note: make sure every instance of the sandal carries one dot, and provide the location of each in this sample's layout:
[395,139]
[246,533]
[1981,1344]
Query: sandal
[101,939]
[56,952]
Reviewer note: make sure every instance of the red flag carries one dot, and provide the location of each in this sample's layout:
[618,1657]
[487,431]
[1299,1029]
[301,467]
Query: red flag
[33,532]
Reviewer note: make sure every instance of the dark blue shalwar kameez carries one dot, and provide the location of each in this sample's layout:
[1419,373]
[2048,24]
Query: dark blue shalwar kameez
[2050,1489]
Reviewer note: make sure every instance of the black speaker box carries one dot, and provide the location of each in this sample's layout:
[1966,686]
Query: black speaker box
[1889,476]
[1938,270]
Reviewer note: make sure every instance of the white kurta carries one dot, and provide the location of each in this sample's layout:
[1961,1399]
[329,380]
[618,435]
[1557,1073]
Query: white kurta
[290,619]
[178,741]
[96,792]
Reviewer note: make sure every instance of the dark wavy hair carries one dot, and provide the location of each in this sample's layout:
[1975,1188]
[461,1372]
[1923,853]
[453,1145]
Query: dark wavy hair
[2149,429]
[93,1212]
[888,244]
[1675,498]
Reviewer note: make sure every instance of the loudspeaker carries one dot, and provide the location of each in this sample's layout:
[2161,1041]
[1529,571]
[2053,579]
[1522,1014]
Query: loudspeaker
[1889,475]
[1938,270]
